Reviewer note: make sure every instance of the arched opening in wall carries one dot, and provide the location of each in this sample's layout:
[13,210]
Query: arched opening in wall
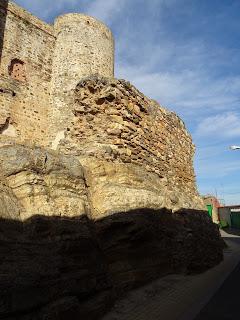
[17,70]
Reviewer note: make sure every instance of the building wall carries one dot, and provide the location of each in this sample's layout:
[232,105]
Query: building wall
[3,16]
[31,41]
[213,201]
[225,214]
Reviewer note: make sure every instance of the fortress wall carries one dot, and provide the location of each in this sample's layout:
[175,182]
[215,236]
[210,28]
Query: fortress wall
[116,123]
[30,41]
[84,46]
[3,15]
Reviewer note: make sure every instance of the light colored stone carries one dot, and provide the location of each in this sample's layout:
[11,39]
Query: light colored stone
[115,187]
[39,182]
[68,100]
[150,144]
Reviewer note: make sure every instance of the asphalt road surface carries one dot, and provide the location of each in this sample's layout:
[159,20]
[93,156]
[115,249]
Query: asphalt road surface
[225,304]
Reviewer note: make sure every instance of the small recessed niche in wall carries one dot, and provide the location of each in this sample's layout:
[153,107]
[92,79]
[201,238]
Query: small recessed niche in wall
[16,70]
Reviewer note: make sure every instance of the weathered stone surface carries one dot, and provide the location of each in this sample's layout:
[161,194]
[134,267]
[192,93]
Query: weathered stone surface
[116,204]
[9,204]
[143,244]
[53,58]
[117,187]
[40,182]
[44,182]
[136,154]
[52,268]
[57,267]
[104,122]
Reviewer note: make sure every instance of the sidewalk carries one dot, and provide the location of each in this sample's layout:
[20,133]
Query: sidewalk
[177,297]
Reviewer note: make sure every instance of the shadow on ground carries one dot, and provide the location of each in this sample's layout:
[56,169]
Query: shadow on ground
[67,268]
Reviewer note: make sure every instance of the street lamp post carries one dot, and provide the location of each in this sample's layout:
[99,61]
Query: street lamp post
[234,147]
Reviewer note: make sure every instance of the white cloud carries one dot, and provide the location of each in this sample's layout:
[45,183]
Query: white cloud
[193,93]
[178,75]
[44,8]
[105,10]
[223,125]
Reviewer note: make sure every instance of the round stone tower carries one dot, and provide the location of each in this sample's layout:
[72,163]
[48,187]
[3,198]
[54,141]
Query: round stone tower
[84,46]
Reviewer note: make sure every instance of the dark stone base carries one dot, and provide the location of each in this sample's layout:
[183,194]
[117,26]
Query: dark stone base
[56,268]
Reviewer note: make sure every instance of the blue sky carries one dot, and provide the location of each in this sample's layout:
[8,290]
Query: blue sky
[185,54]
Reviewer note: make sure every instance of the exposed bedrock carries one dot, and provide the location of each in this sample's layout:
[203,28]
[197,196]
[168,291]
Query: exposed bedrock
[72,239]
[57,267]
[42,183]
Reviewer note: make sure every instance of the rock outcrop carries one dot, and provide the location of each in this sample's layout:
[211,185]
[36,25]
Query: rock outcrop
[136,153]
[42,182]
[59,260]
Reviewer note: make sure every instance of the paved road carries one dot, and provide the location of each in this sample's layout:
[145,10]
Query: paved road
[225,304]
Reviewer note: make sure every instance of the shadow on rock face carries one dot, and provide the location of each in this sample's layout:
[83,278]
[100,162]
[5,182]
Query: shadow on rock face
[68,268]
[50,267]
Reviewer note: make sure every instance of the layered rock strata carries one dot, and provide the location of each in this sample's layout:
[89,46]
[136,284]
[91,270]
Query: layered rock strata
[41,182]
[58,260]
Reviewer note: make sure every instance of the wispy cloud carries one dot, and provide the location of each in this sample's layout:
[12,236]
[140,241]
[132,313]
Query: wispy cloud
[182,75]
[106,10]
[193,94]
[226,125]
[44,9]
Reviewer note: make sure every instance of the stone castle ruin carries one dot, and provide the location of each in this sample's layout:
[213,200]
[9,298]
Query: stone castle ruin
[97,186]
[57,90]
[41,64]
